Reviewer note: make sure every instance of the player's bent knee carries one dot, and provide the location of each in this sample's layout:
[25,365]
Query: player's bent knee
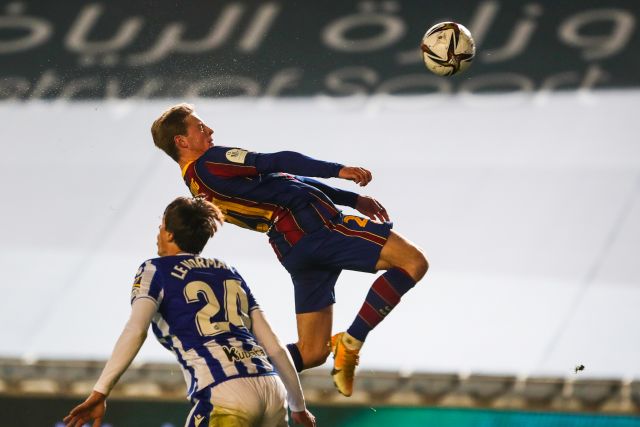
[417,265]
[321,357]
[316,357]
[422,264]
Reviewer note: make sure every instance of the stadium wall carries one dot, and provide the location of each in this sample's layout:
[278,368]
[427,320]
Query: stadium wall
[48,412]
[154,395]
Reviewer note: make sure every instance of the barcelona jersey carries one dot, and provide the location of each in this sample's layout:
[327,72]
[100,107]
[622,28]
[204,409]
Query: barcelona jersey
[203,318]
[269,192]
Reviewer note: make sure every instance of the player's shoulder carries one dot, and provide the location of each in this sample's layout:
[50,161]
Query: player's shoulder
[157,261]
[146,273]
[159,264]
[219,153]
[148,267]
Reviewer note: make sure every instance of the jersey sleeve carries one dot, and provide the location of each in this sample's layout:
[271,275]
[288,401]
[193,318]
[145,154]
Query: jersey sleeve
[293,163]
[253,304]
[147,283]
[337,195]
[229,162]
[128,345]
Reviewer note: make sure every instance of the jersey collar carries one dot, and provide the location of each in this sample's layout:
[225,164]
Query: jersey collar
[184,169]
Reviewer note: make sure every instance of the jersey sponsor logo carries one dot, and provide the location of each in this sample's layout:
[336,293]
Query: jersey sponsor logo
[234,354]
[236,155]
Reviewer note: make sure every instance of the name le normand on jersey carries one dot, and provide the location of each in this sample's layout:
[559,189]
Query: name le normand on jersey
[181,269]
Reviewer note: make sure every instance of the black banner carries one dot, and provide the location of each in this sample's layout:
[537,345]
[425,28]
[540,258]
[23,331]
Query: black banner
[196,48]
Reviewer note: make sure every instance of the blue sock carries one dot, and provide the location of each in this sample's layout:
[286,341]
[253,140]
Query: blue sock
[296,356]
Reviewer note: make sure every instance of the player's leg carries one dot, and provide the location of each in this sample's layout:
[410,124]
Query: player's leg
[398,252]
[314,298]
[377,247]
[226,417]
[314,334]
[201,409]
[405,265]
[275,412]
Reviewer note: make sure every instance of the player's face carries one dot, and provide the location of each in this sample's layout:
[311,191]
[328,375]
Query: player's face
[164,237]
[199,136]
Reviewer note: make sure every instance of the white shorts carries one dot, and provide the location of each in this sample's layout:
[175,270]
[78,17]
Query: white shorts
[243,402]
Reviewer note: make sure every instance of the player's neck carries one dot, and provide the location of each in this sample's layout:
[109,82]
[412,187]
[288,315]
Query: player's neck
[183,163]
[187,157]
[171,249]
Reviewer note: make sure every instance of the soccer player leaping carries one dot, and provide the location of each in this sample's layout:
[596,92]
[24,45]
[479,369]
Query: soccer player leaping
[312,239]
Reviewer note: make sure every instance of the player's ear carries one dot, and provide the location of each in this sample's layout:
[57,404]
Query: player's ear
[180,141]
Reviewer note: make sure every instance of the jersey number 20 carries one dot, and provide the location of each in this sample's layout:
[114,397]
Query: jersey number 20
[233,314]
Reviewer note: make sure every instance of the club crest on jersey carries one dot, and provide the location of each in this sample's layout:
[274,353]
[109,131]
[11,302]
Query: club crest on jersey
[236,155]
[138,280]
[234,354]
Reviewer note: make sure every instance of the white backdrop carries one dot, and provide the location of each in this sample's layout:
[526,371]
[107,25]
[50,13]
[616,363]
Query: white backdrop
[527,206]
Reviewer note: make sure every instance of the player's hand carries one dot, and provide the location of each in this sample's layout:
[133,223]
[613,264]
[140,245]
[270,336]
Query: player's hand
[304,418]
[91,409]
[372,208]
[360,176]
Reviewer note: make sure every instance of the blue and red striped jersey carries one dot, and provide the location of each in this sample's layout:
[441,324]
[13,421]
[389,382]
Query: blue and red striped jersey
[268,192]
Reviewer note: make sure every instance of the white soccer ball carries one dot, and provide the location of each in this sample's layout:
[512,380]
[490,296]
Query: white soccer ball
[447,48]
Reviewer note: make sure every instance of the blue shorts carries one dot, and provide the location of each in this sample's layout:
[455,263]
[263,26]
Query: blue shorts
[317,259]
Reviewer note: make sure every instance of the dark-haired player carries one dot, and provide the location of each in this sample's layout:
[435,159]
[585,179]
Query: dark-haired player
[203,311]
[313,240]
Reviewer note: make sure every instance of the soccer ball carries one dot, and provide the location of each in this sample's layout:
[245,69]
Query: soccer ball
[447,48]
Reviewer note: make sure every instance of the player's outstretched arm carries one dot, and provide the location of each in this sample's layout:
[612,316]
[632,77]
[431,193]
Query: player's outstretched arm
[337,195]
[226,162]
[91,409]
[360,176]
[372,208]
[126,348]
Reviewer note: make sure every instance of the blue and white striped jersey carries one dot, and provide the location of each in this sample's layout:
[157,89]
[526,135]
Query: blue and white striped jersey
[203,318]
